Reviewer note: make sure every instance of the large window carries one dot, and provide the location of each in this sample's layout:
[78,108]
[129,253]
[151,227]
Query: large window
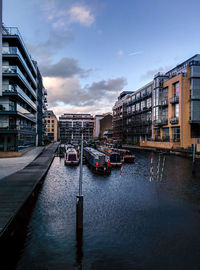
[148,102]
[165,134]
[176,89]
[176,134]
[137,106]
[176,111]
[143,104]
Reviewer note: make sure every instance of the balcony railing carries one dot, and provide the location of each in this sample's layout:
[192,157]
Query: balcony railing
[174,120]
[7,126]
[15,50]
[13,31]
[175,99]
[9,88]
[160,122]
[16,70]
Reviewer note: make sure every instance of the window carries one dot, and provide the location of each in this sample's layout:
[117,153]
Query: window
[176,111]
[176,89]
[133,108]
[157,131]
[142,104]
[48,121]
[165,134]
[149,90]
[176,134]
[52,129]
[52,121]
[137,107]
[143,92]
[138,95]
[148,102]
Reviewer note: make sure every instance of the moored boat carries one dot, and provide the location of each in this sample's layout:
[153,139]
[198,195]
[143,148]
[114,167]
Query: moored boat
[128,157]
[116,159]
[97,161]
[71,156]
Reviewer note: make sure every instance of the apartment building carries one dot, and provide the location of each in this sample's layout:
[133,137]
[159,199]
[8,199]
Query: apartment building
[176,107]
[138,115]
[71,127]
[18,103]
[132,115]
[119,113]
[51,126]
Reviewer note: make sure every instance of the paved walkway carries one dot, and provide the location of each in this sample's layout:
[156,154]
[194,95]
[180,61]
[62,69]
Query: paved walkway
[16,188]
[11,165]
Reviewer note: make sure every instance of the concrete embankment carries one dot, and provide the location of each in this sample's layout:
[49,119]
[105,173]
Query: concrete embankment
[18,190]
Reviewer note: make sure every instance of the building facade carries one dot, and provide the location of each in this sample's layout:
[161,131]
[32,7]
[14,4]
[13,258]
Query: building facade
[176,107]
[51,126]
[97,119]
[119,113]
[138,115]
[105,125]
[18,103]
[132,115]
[71,126]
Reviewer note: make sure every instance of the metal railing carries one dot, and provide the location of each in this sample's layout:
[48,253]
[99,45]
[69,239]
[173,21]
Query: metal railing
[13,31]
[16,70]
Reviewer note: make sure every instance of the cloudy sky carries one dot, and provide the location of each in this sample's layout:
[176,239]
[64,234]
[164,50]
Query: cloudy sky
[89,50]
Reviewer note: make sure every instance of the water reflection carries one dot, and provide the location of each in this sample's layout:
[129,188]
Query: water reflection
[129,222]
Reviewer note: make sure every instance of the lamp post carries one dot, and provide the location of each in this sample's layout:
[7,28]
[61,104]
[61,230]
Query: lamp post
[79,200]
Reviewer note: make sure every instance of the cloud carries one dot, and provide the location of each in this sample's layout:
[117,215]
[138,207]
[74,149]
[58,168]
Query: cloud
[93,109]
[43,51]
[120,52]
[150,73]
[65,68]
[81,14]
[135,53]
[69,92]
[60,14]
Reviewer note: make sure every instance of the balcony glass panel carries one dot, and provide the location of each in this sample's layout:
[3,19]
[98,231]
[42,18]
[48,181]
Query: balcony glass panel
[25,112]
[15,50]
[13,31]
[16,70]
[16,88]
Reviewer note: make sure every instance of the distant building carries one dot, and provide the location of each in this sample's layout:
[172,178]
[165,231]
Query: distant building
[51,127]
[118,116]
[97,119]
[71,126]
[105,124]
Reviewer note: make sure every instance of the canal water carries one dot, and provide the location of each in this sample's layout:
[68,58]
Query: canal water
[129,222]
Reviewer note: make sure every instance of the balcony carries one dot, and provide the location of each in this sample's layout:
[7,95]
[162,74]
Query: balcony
[13,31]
[16,51]
[174,120]
[14,70]
[174,100]
[15,89]
[160,122]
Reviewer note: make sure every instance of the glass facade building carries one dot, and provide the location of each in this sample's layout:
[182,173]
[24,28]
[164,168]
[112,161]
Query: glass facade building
[18,103]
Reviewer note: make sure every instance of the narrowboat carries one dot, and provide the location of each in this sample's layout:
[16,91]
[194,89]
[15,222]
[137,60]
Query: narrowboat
[128,157]
[71,157]
[97,161]
[116,159]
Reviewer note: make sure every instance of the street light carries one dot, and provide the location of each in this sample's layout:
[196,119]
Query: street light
[79,201]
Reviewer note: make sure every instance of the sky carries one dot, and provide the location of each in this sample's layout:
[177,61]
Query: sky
[88,51]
